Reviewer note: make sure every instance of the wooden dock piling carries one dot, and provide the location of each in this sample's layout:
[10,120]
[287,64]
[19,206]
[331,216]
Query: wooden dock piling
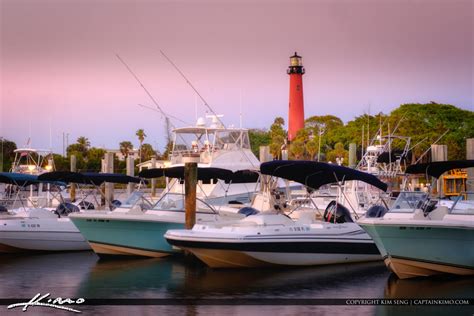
[72,191]
[190,184]
[130,172]
[470,171]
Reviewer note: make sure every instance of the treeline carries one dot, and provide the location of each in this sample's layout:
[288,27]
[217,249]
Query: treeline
[88,158]
[329,138]
[325,137]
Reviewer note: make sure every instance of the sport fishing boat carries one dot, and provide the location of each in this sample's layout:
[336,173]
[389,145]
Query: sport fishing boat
[270,237]
[136,228]
[421,235]
[43,229]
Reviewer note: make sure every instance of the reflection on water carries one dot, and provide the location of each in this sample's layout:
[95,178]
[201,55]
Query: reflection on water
[439,287]
[172,278]
[83,275]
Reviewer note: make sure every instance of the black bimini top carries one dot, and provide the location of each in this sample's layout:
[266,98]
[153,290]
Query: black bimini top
[19,179]
[87,177]
[437,168]
[244,176]
[315,174]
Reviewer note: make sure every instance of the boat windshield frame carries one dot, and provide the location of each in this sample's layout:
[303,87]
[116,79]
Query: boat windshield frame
[135,198]
[468,210]
[409,201]
[169,207]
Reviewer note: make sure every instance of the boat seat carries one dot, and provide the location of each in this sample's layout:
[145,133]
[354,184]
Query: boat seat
[419,214]
[306,217]
[438,213]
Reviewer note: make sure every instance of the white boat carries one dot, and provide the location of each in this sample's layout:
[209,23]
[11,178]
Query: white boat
[41,229]
[272,238]
[422,236]
[133,231]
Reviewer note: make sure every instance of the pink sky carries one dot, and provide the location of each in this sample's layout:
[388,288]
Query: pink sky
[59,71]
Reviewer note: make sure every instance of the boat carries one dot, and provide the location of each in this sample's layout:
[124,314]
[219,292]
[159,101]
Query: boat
[270,237]
[215,146]
[221,151]
[45,229]
[32,161]
[421,235]
[136,228]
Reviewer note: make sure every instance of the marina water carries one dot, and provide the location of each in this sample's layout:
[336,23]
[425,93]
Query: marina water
[172,280]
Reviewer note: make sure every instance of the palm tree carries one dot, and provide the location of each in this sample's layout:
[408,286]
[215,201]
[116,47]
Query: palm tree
[141,137]
[312,148]
[84,144]
[125,148]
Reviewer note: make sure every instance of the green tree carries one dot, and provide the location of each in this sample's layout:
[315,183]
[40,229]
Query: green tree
[338,152]
[7,154]
[424,123]
[277,136]
[125,148]
[312,148]
[297,148]
[94,159]
[84,144]
[329,125]
[147,152]
[258,138]
[141,137]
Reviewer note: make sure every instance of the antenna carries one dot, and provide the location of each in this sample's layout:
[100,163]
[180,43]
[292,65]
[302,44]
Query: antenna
[195,108]
[191,85]
[240,109]
[141,84]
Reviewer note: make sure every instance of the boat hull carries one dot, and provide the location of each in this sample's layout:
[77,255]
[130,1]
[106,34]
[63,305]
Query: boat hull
[423,250]
[24,240]
[267,252]
[121,237]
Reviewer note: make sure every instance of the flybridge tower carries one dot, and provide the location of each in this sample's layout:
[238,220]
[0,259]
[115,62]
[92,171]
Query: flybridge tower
[296,107]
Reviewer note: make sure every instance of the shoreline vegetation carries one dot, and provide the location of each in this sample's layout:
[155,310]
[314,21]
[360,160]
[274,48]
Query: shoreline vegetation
[326,135]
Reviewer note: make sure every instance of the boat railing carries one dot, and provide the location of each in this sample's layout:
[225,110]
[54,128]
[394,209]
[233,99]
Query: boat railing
[205,156]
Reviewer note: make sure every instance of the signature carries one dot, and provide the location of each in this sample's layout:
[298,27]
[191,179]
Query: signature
[45,301]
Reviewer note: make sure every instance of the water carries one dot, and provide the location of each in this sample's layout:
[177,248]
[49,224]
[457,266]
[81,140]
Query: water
[82,274]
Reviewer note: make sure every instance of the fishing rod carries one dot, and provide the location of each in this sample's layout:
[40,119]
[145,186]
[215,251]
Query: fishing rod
[191,85]
[166,114]
[437,140]
[144,88]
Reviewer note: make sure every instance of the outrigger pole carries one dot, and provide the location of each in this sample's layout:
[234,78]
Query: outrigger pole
[191,85]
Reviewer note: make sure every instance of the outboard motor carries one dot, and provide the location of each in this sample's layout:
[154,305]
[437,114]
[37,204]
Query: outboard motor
[84,205]
[337,213]
[247,211]
[376,211]
[66,208]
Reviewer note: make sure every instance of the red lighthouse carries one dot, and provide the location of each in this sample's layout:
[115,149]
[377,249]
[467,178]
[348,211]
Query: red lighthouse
[296,108]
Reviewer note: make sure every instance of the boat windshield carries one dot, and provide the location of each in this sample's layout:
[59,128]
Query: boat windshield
[137,198]
[464,204]
[175,202]
[408,202]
